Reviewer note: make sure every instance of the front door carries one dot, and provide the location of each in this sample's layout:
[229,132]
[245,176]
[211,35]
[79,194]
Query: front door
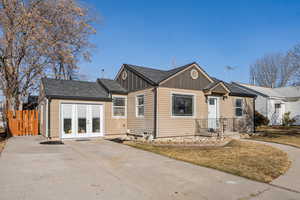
[81,120]
[278,113]
[213,112]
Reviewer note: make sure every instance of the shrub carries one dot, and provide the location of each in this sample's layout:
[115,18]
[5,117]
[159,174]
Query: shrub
[287,120]
[260,120]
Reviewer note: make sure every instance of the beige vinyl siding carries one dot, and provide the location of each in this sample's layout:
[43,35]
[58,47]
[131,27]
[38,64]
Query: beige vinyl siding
[227,106]
[112,126]
[169,125]
[178,126]
[227,110]
[141,123]
[54,118]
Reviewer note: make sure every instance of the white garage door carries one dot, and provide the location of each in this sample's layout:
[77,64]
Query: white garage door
[81,120]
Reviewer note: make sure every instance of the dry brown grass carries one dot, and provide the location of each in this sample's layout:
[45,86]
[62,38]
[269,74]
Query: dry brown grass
[279,134]
[248,159]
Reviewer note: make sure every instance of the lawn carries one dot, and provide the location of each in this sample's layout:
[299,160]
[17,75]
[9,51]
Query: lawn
[280,134]
[248,159]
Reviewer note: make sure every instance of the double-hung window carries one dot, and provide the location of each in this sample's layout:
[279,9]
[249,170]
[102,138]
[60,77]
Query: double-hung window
[140,105]
[277,108]
[182,105]
[239,107]
[119,106]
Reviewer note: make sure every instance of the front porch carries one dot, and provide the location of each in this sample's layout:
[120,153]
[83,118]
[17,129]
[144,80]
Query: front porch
[222,127]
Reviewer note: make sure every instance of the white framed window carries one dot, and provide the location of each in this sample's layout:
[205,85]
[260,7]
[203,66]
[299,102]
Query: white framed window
[140,105]
[182,105]
[239,107]
[119,106]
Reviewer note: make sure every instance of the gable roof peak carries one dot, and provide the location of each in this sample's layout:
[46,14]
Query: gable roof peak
[155,76]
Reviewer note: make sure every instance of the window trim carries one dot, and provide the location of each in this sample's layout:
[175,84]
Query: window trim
[112,107]
[136,105]
[242,107]
[194,105]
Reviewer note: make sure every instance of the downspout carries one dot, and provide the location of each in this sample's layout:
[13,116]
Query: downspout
[155,113]
[49,102]
[254,127]
[267,110]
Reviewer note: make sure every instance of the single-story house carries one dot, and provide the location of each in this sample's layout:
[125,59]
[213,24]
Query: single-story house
[183,101]
[274,102]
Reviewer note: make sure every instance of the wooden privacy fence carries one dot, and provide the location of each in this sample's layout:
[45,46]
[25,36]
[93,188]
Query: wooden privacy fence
[25,122]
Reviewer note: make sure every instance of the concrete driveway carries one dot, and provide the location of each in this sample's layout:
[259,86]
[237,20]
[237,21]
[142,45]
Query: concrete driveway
[102,169]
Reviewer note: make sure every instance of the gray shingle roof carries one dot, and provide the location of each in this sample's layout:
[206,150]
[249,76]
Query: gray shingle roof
[262,90]
[283,92]
[112,86]
[234,90]
[155,75]
[291,91]
[71,89]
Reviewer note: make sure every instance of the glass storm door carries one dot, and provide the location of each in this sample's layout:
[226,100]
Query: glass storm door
[213,113]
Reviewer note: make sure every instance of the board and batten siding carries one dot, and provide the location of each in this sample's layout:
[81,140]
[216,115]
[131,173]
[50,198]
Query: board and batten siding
[183,80]
[133,82]
[139,124]
[112,126]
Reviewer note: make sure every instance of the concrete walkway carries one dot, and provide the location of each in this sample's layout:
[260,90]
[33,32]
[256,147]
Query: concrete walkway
[102,169]
[291,179]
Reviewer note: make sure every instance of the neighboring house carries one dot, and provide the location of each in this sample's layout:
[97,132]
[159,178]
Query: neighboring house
[184,101]
[274,102]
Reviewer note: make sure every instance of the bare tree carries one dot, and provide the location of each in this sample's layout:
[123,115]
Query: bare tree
[273,70]
[39,37]
[294,60]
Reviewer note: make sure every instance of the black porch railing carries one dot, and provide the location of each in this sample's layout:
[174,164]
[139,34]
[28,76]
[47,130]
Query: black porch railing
[221,126]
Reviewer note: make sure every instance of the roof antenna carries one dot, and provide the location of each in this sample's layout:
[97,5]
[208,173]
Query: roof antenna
[228,69]
[102,73]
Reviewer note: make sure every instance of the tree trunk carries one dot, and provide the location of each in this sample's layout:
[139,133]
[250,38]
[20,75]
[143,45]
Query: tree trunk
[13,102]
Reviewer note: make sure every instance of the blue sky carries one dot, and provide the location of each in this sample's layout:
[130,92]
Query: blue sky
[213,33]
